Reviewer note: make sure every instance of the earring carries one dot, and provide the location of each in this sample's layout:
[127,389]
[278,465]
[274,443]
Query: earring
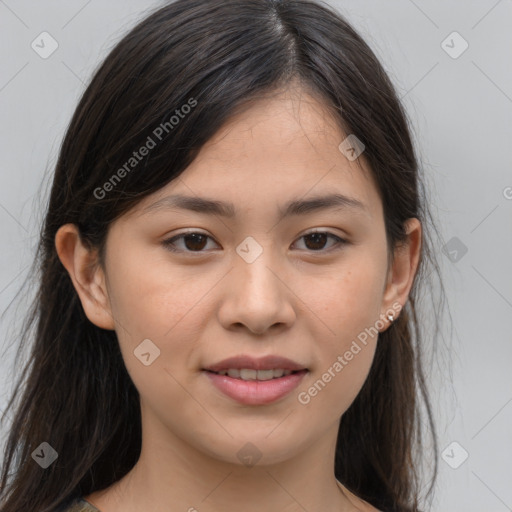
[391,317]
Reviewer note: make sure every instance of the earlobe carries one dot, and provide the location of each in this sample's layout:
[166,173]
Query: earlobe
[404,268]
[86,274]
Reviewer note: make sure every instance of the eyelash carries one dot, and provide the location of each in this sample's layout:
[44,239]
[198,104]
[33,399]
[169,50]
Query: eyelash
[169,243]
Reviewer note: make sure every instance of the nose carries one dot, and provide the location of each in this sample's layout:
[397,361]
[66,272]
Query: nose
[257,296]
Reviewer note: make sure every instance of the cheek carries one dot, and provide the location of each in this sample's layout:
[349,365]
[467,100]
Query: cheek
[333,388]
[343,361]
[151,303]
[350,307]
[350,303]
[150,298]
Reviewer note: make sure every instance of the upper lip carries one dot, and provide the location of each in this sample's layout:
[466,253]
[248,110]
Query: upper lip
[256,363]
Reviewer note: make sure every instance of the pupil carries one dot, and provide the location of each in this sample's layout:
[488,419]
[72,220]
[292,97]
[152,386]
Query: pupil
[316,237]
[195,244]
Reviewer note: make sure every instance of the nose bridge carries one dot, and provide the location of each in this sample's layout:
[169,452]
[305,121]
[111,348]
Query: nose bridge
[255,295]
[253,262]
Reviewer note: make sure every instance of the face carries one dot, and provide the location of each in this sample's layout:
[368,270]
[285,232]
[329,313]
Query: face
[280,287]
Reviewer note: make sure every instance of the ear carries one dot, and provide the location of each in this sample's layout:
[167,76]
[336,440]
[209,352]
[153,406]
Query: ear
[401,274]
[87,275]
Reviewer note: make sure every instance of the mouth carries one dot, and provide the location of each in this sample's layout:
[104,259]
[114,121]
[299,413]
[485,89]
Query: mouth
[246,365]
[255,381]
[249,374]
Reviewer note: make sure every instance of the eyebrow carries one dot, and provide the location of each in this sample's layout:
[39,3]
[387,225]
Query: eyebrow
[209,206]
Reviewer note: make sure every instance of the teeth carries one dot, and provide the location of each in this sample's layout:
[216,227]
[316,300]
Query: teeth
[249,374]
[265,374]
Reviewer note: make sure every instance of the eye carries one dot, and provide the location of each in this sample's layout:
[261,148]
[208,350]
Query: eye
[195,241]
[316,240]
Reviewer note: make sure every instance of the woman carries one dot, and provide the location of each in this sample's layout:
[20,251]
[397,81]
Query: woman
[230,262]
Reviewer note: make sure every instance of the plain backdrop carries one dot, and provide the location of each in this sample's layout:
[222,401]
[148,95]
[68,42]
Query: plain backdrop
[450,61]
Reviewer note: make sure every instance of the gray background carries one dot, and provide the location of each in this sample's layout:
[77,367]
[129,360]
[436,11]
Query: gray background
[461,110]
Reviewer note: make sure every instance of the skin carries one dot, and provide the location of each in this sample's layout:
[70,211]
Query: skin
[199,308]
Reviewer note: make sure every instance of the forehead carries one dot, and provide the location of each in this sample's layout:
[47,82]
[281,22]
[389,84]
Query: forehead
[281,147]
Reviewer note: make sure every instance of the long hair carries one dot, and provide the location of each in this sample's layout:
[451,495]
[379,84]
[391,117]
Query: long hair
[215,57]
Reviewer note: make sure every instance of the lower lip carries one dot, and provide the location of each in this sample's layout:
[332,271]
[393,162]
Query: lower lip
[256,392]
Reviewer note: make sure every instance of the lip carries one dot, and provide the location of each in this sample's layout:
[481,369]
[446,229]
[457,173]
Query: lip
[256,363]
[256,392]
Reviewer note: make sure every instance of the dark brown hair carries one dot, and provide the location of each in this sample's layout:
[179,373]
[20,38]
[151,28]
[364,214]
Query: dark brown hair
[216,56]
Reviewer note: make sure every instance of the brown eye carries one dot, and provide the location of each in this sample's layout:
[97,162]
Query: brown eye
[317,240]
[192,242]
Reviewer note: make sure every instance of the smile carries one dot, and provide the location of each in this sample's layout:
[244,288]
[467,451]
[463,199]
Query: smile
[250,374]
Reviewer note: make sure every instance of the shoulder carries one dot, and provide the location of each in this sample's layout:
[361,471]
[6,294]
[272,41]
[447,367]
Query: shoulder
[79,505]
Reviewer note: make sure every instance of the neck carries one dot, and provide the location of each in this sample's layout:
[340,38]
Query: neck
[172,474]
